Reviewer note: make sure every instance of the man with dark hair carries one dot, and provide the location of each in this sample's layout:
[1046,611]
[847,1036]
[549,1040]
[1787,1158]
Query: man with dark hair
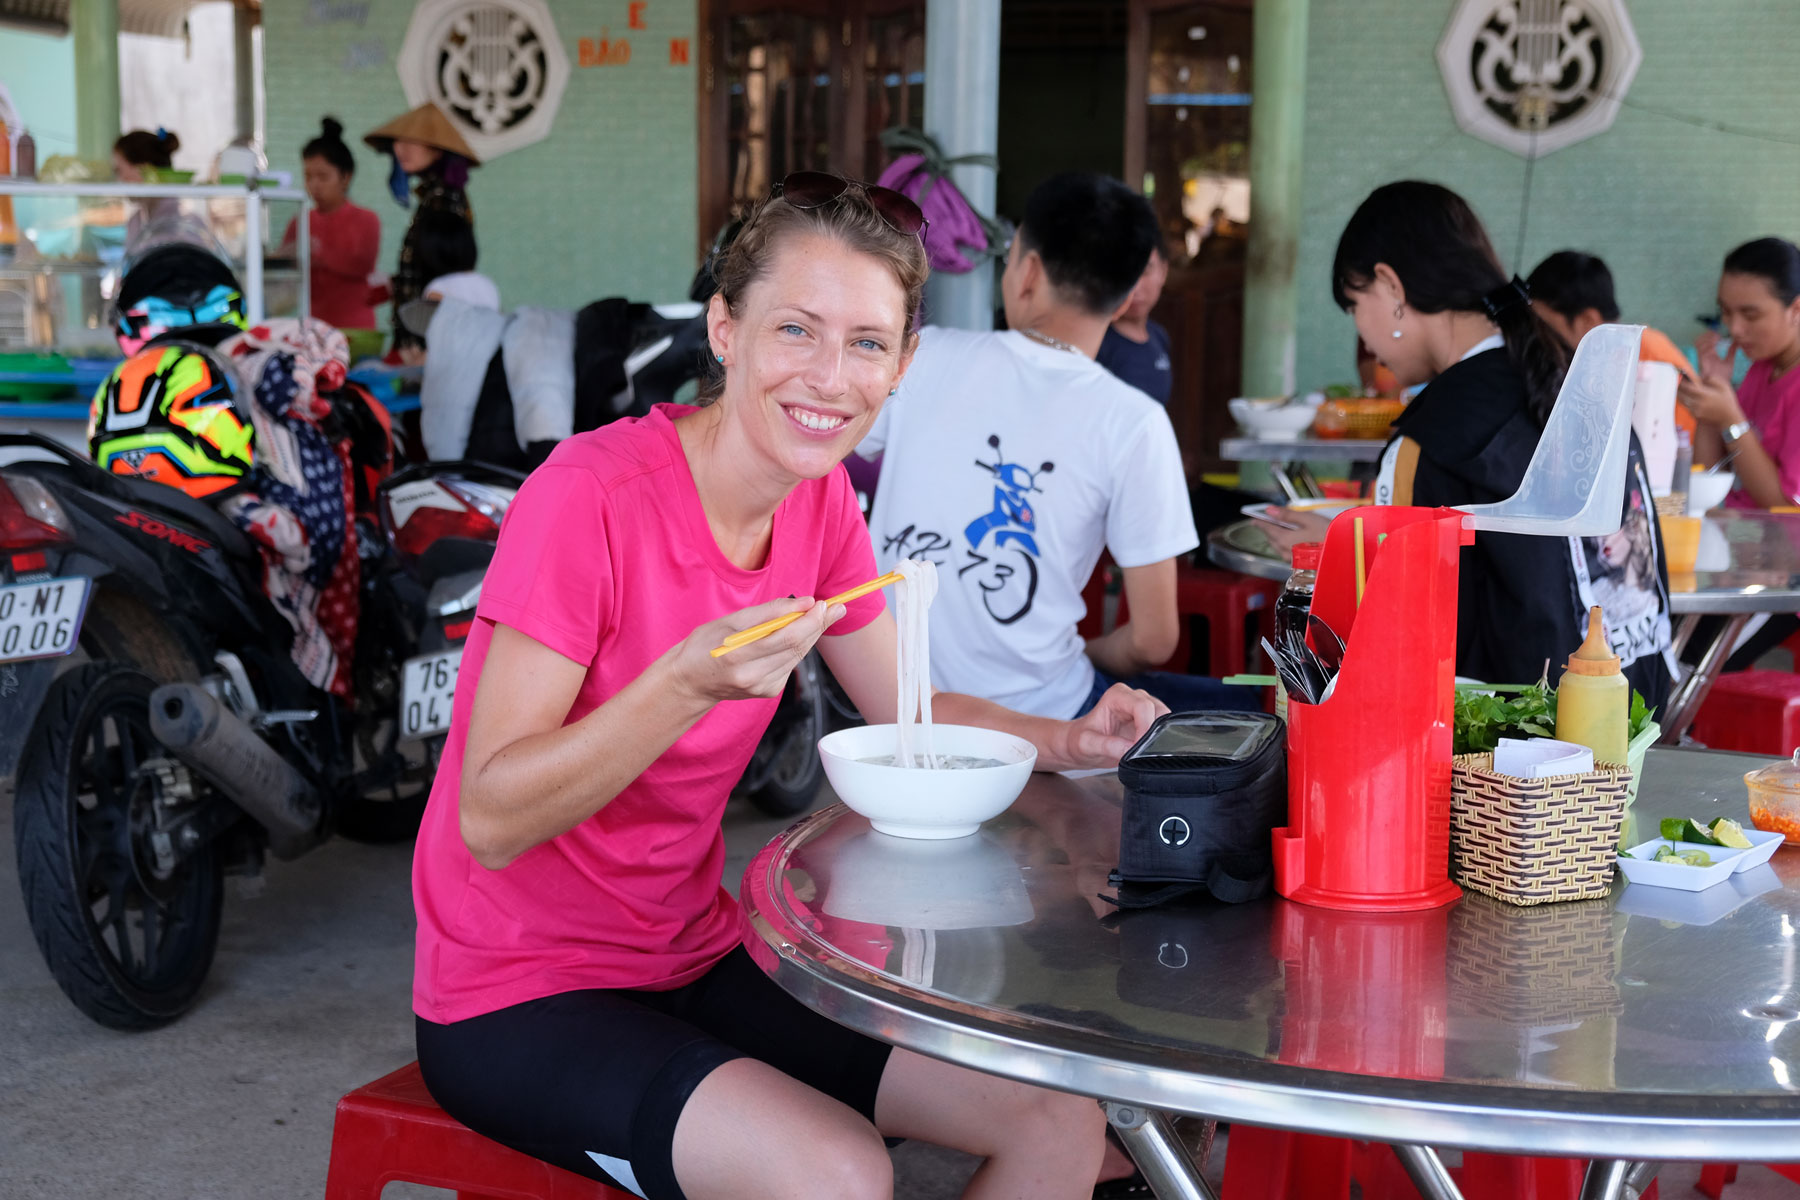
[1011,460]
[1573,292]
[1136,348]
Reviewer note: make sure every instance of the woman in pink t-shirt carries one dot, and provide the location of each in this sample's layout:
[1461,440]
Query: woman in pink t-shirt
[1759,421]
[580,983]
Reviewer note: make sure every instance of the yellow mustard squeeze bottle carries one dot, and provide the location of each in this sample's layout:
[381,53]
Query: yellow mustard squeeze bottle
[1593,701]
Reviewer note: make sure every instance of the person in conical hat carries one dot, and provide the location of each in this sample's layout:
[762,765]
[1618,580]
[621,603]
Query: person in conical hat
[427,147]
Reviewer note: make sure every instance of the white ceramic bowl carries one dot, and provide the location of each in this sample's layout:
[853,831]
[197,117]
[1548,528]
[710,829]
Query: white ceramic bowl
[1272,420]
[1707,492]
[916,803]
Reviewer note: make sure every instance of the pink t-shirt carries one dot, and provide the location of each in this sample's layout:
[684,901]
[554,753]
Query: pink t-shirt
[606,558]
[1774,408]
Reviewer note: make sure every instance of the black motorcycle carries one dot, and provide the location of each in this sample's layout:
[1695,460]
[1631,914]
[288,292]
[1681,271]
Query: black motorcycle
[161,735]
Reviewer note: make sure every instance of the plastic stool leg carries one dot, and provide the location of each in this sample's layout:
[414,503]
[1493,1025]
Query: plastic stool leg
[1273,1164]
[1714,1177]
[1515,1177]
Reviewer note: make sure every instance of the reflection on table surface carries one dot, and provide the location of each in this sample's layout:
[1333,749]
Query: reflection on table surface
[1749,561]
[1645,993]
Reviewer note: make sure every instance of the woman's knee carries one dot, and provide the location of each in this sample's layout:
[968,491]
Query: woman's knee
[1057,1123]
[853,1164]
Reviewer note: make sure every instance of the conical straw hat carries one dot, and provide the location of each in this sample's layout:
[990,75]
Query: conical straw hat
[427,125]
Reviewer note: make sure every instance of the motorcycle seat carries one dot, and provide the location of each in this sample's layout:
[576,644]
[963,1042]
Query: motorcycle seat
[194,514]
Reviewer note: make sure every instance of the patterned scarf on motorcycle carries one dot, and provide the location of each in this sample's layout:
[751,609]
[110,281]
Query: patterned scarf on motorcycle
[297,506]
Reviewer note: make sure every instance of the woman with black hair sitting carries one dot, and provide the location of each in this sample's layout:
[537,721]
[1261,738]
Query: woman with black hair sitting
[1416,270]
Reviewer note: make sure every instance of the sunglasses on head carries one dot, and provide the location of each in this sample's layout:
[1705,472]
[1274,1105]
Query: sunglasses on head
[815,189]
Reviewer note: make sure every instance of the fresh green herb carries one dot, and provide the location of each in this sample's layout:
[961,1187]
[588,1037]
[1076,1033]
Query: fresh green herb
[1482,719]
[1641,715]
[1343,391]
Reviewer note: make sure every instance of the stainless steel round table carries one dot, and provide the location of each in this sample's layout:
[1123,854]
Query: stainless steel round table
[1749,563]
[1652,1025]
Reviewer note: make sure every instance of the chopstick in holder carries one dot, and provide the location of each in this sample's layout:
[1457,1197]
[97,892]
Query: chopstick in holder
[757,633]
[1361,567]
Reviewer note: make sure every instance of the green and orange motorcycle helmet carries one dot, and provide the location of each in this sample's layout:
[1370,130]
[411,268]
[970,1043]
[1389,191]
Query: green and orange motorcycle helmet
[170,413]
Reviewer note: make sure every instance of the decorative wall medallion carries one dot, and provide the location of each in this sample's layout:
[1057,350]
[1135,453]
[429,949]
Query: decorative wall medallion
[1534,76]
[496,66]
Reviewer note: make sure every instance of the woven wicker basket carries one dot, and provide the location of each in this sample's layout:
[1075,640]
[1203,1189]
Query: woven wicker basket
[1535,841]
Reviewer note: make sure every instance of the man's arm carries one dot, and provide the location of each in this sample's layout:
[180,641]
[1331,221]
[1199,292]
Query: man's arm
[1148,638]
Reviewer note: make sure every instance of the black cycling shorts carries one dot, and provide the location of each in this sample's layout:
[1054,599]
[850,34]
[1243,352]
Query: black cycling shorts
[593,1081]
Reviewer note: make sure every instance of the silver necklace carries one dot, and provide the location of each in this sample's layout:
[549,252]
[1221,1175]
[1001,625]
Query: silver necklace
[1046,340]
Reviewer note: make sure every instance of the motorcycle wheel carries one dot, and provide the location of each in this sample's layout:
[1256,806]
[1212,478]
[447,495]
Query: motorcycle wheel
[128,942]
[789,751]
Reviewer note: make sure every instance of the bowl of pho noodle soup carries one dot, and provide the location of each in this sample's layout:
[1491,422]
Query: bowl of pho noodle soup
[878,770]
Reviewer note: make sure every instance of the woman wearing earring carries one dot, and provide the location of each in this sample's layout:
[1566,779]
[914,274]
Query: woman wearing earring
[1416,271]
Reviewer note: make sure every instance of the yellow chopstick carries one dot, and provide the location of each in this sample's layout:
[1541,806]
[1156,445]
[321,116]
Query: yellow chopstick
[757,633]
[1361,570]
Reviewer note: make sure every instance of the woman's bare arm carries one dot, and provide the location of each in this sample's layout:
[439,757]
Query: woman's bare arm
[527,777]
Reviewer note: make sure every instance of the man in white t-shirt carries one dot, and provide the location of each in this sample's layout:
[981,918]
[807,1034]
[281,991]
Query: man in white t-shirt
[1012,459]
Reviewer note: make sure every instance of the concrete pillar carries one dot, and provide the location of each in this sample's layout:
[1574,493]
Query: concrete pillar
[95,26]
[1277,121]
[962,111]
[243,26]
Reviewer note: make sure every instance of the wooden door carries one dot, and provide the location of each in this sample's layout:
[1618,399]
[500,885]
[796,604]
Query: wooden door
[1187,145]
[801,85]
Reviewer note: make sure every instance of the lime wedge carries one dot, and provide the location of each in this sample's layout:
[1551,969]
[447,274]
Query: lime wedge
[1678,830]
[1729,833]
[1696,858]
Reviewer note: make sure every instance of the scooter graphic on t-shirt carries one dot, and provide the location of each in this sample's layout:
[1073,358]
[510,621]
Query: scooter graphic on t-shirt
[1007,589]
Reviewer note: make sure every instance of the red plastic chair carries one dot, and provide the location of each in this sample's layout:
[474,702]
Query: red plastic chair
[1755,711]
[1714,1176]
[392,1130]
[1233,606]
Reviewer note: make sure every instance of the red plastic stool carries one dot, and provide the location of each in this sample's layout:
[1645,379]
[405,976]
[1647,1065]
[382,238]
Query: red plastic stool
[1714,1176]
[392,1130]
[1103,580]
[1234,606]
[1754,711]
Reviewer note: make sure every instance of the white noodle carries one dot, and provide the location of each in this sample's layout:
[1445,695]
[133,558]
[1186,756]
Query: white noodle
[912,613]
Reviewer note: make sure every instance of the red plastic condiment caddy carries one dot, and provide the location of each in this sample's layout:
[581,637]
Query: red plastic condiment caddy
[1369,769]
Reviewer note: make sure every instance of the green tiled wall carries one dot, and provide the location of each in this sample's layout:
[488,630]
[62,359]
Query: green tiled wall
[1660,199]
[605,206]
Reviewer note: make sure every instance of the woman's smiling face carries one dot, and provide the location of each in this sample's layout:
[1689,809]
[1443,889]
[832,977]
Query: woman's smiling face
[818,342]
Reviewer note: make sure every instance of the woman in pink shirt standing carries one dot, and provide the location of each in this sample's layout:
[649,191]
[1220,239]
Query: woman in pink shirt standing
[581,987]
[1759,421]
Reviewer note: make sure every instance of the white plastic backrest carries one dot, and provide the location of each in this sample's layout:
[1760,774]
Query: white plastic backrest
[1574,485]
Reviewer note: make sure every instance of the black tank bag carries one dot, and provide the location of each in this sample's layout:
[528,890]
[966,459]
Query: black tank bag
[1203,791]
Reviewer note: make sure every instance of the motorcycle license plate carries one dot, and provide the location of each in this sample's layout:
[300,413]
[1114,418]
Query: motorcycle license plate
[426,694]
[40,620]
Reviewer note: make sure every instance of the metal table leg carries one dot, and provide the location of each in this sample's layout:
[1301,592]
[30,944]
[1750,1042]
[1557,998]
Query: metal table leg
[1149,1137]
[1309,481]
[1690,693]
[1639,1179]
[1605,1179]
[1428,1173]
